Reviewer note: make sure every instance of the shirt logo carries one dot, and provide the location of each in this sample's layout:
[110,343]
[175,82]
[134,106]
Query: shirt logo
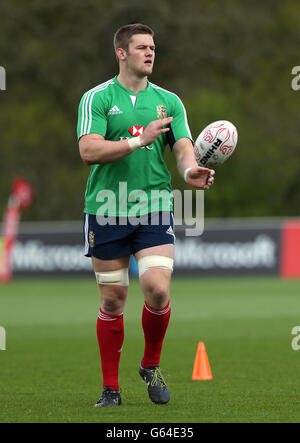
[115,111]
[161,111]
[136,130]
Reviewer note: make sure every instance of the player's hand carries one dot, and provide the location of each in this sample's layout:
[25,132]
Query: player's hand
[154,129]
[200,177]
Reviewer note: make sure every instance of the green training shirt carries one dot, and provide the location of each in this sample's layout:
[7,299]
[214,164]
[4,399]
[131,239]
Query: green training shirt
[140,182]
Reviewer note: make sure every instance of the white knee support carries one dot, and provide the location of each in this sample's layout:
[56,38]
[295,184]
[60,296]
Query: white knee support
[155,261]
[119,277]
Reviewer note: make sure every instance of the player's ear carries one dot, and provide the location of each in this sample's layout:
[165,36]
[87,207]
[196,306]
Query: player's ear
[121,53]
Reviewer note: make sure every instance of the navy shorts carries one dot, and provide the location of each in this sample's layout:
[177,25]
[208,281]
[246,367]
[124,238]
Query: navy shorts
[108,239]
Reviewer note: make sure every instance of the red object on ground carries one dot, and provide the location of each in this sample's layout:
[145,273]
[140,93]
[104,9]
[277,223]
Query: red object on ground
[201,370]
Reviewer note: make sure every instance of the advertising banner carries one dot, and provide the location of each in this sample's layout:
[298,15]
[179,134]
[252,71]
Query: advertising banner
[57,249]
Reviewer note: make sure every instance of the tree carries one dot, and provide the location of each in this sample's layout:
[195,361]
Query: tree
[231,62]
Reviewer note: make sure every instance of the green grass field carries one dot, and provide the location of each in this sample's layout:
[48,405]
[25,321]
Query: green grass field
[50,369]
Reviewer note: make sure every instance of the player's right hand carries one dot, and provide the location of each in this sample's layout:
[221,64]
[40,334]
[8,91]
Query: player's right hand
[154,129]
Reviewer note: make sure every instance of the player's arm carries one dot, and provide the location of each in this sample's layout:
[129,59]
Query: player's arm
[94,149]
[187,166]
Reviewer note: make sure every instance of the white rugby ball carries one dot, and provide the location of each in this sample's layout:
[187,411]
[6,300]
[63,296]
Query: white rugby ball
[216,143]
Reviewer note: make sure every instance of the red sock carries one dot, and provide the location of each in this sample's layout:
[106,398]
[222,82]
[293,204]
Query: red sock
[110,333]
[155,323]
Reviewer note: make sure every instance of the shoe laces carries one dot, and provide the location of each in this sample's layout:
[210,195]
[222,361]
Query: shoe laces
[158,378]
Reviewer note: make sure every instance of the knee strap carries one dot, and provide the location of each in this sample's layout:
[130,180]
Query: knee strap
[155,261]
[119,277]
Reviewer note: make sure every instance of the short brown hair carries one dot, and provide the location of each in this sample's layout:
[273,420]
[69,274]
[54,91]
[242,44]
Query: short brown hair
[124,34]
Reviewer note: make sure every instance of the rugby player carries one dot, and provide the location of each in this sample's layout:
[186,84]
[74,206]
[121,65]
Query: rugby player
[124,126]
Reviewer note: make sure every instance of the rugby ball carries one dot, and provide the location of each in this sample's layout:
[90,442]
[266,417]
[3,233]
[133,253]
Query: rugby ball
[215,144]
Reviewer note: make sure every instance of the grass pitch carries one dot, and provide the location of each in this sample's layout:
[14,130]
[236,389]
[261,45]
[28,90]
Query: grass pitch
[50,371]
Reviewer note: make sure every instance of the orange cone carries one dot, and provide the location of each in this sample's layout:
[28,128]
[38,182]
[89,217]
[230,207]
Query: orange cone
[201,369]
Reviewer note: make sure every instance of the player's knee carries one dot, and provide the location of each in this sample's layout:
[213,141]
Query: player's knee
[154,279]
[113,300]
[157,294]
[111,306]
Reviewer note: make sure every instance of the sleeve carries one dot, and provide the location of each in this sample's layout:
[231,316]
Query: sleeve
[179,128]
[91,115]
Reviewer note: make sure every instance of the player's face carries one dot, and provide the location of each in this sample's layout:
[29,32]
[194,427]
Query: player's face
[140,54]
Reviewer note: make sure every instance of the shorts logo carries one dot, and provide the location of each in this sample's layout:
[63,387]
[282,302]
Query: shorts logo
[161,111]
[170,231]
[136,130]
[91,239]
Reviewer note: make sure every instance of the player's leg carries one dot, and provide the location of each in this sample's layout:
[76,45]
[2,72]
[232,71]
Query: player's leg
[155,263]
[110,257]
[112,279]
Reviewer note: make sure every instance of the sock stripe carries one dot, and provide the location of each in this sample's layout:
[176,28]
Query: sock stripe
[108,317]
[160,311]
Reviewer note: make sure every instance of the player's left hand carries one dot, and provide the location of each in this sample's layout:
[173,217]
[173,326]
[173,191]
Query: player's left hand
[200,177]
